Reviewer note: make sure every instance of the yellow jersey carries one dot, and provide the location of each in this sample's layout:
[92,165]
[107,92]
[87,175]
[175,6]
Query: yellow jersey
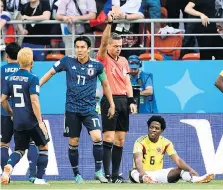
[153,153]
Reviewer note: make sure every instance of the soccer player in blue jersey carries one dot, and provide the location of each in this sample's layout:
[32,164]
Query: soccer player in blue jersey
[12,66]
[81,77]
[23,87]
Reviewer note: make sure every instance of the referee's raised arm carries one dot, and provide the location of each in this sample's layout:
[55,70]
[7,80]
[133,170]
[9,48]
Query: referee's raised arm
[102,52]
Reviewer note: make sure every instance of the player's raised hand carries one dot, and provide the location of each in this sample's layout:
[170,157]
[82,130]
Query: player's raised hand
[111,112]
[133,108]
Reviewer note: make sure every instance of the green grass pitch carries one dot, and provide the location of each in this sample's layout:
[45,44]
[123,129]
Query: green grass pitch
[215,184]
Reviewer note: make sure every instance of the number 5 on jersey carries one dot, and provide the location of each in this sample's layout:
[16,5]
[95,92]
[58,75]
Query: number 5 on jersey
[18,95]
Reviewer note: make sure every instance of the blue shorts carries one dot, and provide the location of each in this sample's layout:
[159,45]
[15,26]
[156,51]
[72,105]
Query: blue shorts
[154,8]
[6,129]
[38,55]
[74,121]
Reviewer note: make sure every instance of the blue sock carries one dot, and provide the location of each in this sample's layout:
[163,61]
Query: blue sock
[14,158]
[32,158]
[73,157]
[42,163]
[98,155]
[4,156]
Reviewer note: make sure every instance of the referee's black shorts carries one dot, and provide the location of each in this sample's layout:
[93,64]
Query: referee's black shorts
[120,121]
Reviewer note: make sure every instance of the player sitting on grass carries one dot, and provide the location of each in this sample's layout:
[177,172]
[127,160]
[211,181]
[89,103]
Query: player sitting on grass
[149,151]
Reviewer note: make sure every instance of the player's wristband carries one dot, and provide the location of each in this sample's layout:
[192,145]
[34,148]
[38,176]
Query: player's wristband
[110,22]
[131,100]
[141,179]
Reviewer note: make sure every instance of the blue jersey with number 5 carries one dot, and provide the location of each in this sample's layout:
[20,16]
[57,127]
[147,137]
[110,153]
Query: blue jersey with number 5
[20,86]
[81,83]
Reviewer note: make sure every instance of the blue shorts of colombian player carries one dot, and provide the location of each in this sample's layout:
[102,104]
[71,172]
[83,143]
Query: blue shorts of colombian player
[22,138]
[6,129]
[74,121]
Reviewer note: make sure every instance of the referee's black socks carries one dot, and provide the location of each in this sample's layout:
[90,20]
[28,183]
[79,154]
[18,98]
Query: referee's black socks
[116,160]
[107,146]
[73,157]
[98,155]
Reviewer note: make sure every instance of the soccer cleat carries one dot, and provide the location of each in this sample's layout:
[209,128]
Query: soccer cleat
[78,179]
[108,177]
[40,182]
[32,179]
[100,176]
[203,179]
[119,179]
[5,179]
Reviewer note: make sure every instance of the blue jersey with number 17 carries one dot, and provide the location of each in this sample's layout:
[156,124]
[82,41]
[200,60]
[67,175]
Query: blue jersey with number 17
[81,83]
[20,86]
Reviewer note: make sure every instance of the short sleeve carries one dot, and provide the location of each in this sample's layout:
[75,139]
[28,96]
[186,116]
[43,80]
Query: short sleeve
[91,6]
[62,7]
[61,65]
[138,147]
[34,86]
[100,68]
[170,149]
[45,5]
[103,61]
[148,81]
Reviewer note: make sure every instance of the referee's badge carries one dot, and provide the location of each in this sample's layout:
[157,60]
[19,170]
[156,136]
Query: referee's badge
[90,72]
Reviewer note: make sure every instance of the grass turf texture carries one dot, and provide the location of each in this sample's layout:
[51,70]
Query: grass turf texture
[215,184]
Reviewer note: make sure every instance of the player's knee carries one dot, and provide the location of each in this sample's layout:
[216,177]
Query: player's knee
[74,141]
[109,136]
[119,142]
[174,175]
[4,144]
[97,139]
[45,147]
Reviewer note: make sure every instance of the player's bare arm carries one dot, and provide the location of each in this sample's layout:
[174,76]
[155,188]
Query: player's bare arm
[108,94]
[105,37]
[36,109]
[47,76]
[133,107]
[182,164]
[5,104]
[138,157]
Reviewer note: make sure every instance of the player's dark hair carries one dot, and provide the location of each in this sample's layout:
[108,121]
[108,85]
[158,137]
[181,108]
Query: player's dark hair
[83,38]
[115,36]
[158,119]
[12,50]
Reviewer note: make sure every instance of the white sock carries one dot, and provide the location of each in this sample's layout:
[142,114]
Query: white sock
[135,175]
[186,176]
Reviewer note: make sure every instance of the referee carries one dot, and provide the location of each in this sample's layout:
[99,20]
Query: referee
[115,129]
